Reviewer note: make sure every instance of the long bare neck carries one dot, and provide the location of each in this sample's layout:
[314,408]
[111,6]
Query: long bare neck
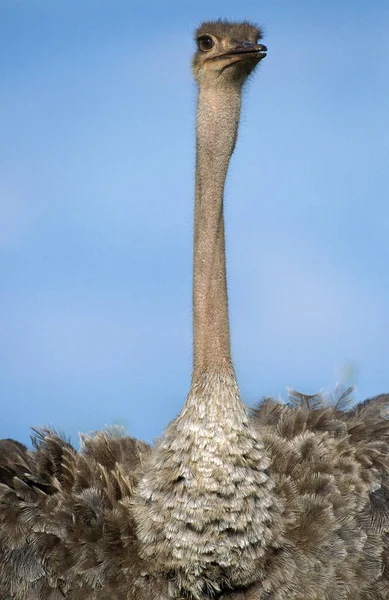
[204,505]
[218,115]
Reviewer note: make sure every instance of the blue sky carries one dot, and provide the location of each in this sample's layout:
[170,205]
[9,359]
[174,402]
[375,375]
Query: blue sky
[96,189]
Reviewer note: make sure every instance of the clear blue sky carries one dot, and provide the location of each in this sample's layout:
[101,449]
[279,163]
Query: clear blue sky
[97,154]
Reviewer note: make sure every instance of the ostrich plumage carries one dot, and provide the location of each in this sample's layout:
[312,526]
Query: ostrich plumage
[286,502]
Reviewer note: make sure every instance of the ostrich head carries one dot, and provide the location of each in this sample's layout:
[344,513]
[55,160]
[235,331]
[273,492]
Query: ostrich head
[226,52]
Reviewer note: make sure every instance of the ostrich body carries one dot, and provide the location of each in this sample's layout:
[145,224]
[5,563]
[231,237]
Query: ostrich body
[287,503]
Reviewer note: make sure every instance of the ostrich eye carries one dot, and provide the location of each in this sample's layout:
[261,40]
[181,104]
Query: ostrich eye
[205,43]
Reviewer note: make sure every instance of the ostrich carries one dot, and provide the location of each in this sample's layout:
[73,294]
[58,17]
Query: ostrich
[202,450]
[285,502]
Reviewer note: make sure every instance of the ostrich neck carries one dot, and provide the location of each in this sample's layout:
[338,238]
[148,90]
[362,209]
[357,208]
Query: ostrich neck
[218,115]
[204,504]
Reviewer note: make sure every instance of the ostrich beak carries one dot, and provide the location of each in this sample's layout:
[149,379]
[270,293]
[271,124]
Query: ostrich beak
[243,51]
[256,50]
